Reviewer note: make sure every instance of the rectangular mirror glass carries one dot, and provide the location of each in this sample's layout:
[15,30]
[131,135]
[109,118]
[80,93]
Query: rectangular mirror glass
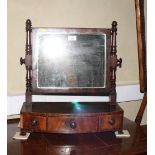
[65,59]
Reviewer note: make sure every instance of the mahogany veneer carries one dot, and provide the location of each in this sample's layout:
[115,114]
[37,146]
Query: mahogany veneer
[61,117]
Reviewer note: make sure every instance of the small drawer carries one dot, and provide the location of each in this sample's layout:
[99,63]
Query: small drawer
[110,122]
[72,124]
[33,122]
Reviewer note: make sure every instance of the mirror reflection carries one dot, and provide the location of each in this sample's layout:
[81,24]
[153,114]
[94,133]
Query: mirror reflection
[70,60]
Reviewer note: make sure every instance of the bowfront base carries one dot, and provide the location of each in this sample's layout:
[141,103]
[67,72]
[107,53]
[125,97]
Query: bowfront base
[68,117]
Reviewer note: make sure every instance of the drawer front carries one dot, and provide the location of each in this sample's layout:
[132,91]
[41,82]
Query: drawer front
[72,124]
[33,122]
[110,122]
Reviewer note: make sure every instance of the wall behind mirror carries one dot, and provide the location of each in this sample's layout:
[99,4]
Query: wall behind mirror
[71,13]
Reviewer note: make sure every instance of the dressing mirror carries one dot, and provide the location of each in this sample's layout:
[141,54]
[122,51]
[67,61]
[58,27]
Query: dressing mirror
[70,60]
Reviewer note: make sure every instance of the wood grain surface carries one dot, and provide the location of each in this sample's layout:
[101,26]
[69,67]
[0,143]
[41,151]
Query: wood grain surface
[104,143]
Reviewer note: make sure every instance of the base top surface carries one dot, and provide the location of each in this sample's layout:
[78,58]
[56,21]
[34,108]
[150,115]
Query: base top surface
[70,107]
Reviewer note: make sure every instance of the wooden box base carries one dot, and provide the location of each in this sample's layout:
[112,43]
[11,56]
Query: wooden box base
[68,117]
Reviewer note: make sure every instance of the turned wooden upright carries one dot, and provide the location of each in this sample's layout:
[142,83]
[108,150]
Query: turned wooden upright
[114,63]
[28,62]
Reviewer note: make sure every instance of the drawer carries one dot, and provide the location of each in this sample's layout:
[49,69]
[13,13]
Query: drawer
[110,122]
[78,124]
[33,122]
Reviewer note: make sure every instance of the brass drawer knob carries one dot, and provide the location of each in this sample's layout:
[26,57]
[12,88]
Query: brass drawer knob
[34,122]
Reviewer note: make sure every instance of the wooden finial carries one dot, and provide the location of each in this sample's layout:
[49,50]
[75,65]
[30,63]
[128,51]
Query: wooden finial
[114,26]
[114,23]
[28,25]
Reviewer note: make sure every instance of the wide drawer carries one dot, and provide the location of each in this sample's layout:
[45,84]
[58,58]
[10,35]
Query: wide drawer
[66,124]
[110,122]
[33,122]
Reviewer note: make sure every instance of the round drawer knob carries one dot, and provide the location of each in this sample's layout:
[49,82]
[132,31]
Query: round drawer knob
[72,124]
[34,122]
[112,121]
